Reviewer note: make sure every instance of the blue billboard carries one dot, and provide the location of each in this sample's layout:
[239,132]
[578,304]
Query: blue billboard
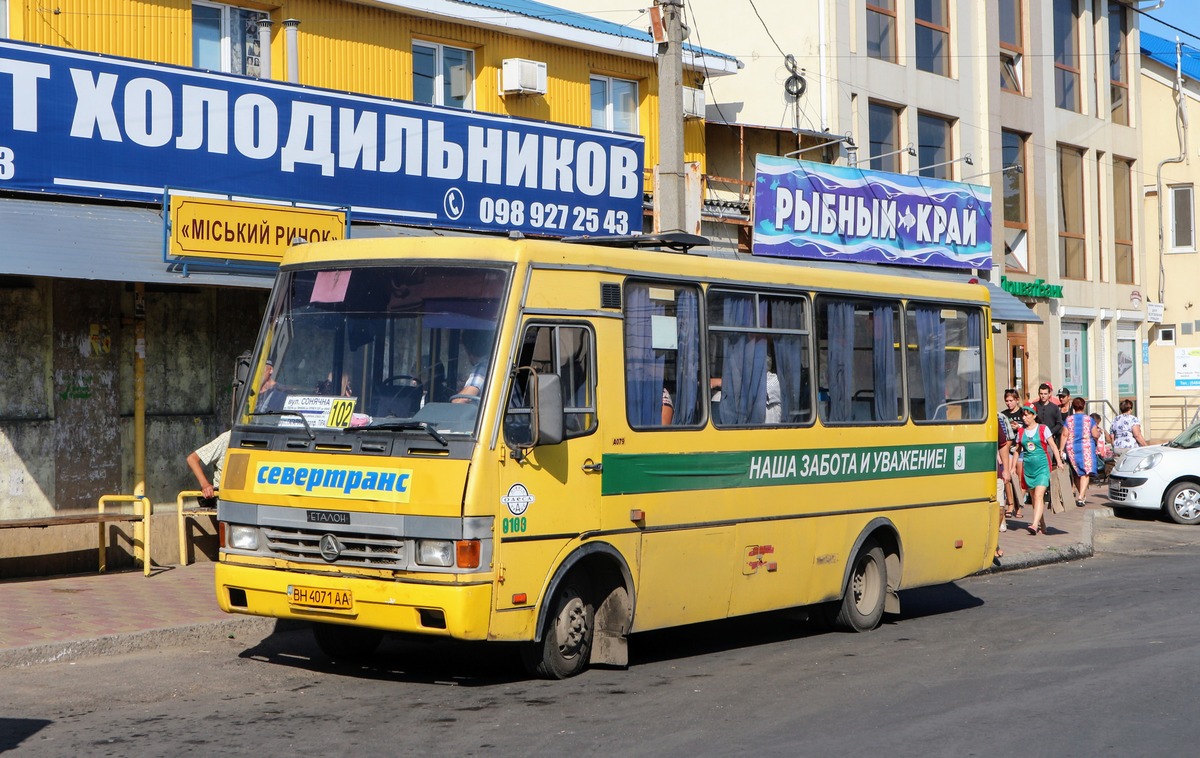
[82,124]
[815,210]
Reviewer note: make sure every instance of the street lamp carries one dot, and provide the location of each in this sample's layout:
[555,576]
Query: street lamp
[906,149]
[965,159]
[1011,167]
[845,138]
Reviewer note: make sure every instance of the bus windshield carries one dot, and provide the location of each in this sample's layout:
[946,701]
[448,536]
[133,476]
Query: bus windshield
[381,347]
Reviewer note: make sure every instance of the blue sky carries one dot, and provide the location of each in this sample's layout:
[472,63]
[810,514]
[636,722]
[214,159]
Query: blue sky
[1184,14]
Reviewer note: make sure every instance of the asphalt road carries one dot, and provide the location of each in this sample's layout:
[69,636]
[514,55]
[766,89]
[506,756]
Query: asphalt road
[1079,659]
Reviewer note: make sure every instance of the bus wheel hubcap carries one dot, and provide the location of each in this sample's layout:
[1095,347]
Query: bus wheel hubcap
[571,627]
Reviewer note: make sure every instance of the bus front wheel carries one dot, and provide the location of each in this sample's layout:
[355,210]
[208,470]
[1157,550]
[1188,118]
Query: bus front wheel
[861,608]
[566,640]
[351,644]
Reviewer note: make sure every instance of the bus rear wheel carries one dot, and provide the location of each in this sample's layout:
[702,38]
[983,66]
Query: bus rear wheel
[861,608]
[349,644]
[566,640]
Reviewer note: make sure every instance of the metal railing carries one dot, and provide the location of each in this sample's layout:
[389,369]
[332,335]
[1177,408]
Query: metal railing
[183,513]
[1171,414]
[141,529]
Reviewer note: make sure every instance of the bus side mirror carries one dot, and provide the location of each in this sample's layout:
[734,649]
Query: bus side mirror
[547,410]
[241,369]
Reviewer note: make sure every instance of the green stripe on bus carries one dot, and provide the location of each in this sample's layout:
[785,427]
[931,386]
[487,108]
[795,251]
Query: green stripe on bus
[629,474]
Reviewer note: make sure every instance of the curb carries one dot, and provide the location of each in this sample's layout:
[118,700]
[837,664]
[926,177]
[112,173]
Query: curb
[149,639]
[1085,548]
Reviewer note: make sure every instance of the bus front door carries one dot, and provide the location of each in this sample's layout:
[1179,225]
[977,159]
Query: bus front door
[549,494]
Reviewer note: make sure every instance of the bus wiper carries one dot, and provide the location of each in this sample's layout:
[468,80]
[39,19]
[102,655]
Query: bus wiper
[300,416]
[401,424]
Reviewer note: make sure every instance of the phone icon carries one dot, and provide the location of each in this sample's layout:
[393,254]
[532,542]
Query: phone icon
[454,203]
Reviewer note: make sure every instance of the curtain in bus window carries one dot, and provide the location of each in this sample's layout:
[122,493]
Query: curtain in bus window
[744,370]
[883,355]
[687,377]
[931,355]
[789,358]
[973,370]
[840,316]
[643,369]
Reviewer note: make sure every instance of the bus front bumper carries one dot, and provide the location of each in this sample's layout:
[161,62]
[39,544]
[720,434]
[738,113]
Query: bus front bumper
[458,611]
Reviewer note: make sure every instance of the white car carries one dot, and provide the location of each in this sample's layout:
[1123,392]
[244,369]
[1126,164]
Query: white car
[1163,477]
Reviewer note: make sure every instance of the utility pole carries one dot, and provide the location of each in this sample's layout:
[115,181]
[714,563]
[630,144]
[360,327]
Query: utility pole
[669,198]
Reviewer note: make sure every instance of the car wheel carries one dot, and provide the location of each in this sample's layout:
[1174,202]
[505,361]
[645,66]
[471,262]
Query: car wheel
[1183,503]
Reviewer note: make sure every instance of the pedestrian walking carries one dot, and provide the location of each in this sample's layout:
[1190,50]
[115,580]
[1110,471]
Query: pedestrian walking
[1049,415]
[1015,483]
[1038,448]
[1126,430]
[1079,444]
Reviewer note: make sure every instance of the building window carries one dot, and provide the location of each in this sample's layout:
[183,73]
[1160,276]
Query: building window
[881,29]
[225,38]
[1066,54]
[1118,38]
[1075,358]
[1072,242]
[1012,47]
[933,36]
[1123,219]
[933,146]
[1165,335]
[1016,201]
[1181,219]
[614,104]
[884,129]
[443,75]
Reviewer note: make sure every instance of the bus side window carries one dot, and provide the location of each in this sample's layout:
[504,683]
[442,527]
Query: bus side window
[760,358]
[662,355]
[559,349]
[858,351]
[945,363]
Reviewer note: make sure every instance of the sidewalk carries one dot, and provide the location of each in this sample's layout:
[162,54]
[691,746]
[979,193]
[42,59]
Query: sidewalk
[1068,534]
[71,617]
[66,618]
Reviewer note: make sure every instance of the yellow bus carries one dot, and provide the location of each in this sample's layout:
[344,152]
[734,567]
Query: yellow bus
[562,444]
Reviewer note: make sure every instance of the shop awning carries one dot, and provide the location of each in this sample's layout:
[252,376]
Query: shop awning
[114,243]
[1007,308]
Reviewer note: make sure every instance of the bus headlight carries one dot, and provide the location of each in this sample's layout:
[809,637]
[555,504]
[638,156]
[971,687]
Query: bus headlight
[243,537]
[435,552]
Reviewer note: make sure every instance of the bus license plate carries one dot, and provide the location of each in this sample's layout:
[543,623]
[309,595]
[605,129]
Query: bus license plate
[315,597]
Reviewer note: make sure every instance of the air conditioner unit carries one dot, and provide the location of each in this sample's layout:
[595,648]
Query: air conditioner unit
[693,102]
[521,77]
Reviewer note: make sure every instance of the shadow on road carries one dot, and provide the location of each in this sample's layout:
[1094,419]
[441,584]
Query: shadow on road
[449,662]
[416,660]
[934,601]
[15,731]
